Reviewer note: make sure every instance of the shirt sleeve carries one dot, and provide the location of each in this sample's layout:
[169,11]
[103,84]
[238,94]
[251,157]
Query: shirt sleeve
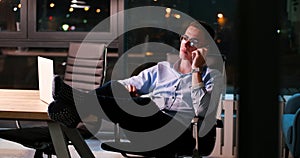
[202,96]
[144,81]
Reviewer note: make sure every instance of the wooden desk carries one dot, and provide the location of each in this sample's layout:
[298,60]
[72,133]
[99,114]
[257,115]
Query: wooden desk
[26,105]
[22,104]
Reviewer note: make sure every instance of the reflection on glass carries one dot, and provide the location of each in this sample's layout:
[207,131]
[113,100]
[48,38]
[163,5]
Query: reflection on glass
[10,15]
[71,15]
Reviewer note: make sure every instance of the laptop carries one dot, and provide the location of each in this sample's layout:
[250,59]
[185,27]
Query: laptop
[45,78]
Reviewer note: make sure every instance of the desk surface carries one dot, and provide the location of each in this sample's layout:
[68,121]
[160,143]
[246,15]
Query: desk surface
[22,104]
[26,104]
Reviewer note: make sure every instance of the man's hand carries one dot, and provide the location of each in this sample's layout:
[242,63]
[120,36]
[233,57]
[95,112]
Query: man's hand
[132,90]
[198,57]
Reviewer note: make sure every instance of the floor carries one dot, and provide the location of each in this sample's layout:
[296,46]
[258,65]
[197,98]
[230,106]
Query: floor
[10,149]
[13,150]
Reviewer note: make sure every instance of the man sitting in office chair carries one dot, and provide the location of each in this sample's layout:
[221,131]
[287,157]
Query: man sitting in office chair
[177,93]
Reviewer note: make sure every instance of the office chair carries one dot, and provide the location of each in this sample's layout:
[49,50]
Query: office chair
[86,65]
[203,145]
[85,70]
[291,126]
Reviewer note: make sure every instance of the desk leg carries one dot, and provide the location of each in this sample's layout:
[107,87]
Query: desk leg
[58,140]
[78,142]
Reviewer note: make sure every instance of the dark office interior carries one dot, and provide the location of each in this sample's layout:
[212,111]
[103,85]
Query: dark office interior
[259,40]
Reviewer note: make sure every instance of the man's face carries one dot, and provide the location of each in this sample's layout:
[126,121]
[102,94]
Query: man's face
[192,39]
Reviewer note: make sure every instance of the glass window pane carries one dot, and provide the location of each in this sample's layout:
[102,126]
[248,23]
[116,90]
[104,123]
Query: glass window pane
[10,15]
[71,15]
[289,36]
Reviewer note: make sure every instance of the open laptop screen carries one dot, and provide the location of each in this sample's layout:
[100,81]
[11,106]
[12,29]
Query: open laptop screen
[45,77]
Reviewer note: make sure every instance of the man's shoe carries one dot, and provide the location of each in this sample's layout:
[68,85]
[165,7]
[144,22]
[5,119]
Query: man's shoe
[64,92]
[63,113]
[56,86]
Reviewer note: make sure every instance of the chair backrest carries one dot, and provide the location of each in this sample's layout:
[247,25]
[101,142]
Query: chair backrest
[86,65]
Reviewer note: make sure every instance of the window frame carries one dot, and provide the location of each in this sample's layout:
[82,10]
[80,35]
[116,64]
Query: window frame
[23,25]
[29,37]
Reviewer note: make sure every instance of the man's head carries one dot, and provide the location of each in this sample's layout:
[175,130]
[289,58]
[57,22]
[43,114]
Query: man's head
[201,24]
[197,35]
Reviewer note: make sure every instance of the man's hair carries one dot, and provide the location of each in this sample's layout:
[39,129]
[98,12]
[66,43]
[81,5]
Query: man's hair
[204,25]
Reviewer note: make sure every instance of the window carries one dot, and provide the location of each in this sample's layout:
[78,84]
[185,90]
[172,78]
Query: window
[71,19]
[28,22]
[10,10]
[71,16]
[12,19]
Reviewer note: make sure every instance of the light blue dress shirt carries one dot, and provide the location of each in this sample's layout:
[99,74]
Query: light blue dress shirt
[173,91]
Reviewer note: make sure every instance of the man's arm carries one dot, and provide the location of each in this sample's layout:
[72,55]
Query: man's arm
[142,83]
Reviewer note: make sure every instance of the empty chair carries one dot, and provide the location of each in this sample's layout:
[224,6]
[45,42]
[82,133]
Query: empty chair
[291,126]
[85,70]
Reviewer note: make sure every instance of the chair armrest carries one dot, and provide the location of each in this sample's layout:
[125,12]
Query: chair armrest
[203,145]
[195,127]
